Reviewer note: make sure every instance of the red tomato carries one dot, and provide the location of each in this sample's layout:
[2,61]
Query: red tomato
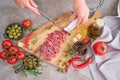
[100,48]
[13,50]
[20,55]
[11,60]
[4,55]
[6,44]
[27,23]
[85,40]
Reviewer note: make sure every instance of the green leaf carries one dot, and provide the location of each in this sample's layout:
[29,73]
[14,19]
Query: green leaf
[34,41]
[25,29]
[35,72]
[69,49]
[16,66]
[83,60]
[30,29]
[34,29]
[24,72]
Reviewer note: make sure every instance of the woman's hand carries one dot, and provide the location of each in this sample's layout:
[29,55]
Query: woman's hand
[81,11]
[28,4]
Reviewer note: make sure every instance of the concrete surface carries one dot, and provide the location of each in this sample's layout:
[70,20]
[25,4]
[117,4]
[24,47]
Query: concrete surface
[9,13]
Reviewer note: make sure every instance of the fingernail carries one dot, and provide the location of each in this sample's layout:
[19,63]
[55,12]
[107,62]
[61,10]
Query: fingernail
[39,14]
[36,6]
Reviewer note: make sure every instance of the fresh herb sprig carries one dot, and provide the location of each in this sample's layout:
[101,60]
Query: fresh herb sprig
[69,49]
[35,72]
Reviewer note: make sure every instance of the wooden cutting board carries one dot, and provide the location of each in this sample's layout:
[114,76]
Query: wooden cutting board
[42,33]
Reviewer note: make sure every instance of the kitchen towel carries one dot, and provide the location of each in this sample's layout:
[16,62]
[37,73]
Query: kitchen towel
[107,67]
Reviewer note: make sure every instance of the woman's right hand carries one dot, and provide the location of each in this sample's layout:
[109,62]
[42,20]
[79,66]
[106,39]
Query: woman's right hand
[28,4]
[80,11]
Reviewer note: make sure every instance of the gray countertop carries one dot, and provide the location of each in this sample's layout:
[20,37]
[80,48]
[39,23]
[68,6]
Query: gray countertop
[9,13]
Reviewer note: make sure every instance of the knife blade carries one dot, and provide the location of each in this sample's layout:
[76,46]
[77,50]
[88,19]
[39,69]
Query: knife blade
[67,29]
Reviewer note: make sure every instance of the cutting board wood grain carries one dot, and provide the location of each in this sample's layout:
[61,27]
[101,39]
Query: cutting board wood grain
[42,33]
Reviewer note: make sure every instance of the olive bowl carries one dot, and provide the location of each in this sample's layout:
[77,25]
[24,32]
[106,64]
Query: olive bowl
[6,34]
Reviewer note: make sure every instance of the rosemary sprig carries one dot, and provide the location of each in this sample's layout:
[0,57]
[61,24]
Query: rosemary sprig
[16,66]
[34,41]
[35,72]
[24,72]
[69,49]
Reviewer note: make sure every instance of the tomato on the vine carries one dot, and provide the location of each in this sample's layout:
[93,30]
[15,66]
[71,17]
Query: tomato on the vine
[13,50]
[27,23]
[6,44]
[100,48]
[20,55]
[4,55]
[11,60]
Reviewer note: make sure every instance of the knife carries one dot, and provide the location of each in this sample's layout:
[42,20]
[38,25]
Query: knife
[67,29]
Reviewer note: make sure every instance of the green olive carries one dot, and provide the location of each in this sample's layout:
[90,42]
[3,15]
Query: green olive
[15,37]
[19,28]
[12,30]
[12,26]
[14,34]
[8,31]
[9,28]
[10,36]
[16,26]
[18,34]
[17,31]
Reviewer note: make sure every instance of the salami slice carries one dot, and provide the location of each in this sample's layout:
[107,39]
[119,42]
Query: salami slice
[51,46]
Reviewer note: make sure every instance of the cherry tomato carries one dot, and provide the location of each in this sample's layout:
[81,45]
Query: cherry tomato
[27,23]
[13,50]
[100,48]
[85,40]
[4,55]
[11,60]
[6,44]
[20,55]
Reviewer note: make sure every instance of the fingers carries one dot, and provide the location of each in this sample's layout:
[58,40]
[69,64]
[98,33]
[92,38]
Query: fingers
[34,9]
[19,3]
[33,3]
[85,19]
[28,4]
[79,20]
[33,6]
[82,19]
[72,17]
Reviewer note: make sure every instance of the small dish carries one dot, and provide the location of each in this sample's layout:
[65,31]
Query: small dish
[30,62]
[13,31]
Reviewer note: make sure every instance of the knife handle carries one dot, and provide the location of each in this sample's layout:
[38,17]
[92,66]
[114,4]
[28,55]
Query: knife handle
[71,26]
